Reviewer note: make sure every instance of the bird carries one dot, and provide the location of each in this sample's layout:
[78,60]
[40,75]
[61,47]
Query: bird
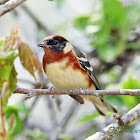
[67,68]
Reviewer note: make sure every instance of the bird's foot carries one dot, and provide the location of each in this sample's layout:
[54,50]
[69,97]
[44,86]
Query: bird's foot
[51,89]
[83,90]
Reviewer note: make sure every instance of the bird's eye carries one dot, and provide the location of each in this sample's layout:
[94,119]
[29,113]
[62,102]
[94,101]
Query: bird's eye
[55,42]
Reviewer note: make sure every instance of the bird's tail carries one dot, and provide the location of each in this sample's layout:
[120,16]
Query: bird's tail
[102,105]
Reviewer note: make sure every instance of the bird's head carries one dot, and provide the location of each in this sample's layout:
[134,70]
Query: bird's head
[56,43]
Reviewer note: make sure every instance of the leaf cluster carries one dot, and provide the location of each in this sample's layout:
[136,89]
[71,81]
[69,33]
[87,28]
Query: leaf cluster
[109,28]
[10,48]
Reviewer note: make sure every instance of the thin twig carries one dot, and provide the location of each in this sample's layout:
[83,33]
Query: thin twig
[109,131]
[3,1]
[53,91]
[10,5]
[2,120]
[105,133]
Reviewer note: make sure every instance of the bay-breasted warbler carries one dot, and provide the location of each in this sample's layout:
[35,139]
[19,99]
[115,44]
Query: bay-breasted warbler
[67,68]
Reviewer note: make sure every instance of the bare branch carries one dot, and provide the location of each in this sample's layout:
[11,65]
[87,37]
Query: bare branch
[3,1]
[107,132]
[53,91]
[10,5]
[120,124]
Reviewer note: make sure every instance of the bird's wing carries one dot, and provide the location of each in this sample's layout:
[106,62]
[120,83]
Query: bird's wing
[85,65]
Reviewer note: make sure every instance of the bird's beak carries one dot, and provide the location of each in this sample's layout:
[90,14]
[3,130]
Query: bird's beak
[41,45]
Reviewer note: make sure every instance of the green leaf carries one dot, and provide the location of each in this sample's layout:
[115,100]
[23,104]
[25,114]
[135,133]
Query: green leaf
[8,83]
[7,71]
[16,128]
[88,117]
[115,25]
[17,122]
[115,13]
[6,66]
[113,31]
